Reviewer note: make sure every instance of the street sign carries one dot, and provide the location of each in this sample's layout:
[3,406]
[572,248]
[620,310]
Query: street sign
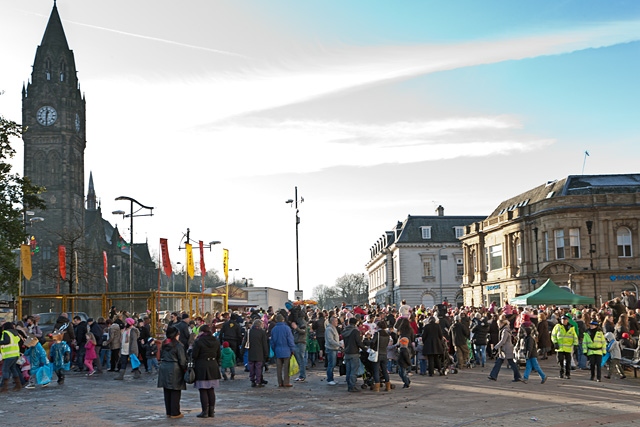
[297,295]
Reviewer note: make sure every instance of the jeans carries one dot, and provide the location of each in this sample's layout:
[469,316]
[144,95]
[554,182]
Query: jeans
[496,368]
[152,362]
[105,357]
[255,372]
[581,359]
[481,354]
[331,356]
[10,369]
[423,366]
[80,357]
[404,375]
[352,362]
[380,367]
[532,364]
[301,358]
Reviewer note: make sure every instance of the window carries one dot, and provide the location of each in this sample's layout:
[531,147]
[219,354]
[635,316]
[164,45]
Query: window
[426,232]
[459,232]
[63,69]
[47,69]
[518,253]
[459,267]
[559,239]
[545,237]
[495,257]
[624,242]
[574,242]
[427,267]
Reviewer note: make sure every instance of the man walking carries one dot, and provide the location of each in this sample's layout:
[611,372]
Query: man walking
[564,338]
[352,346]
[332,346]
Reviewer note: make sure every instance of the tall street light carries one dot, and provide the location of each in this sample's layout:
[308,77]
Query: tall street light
[188,240]
[294,202]
[592,250]
[131,215]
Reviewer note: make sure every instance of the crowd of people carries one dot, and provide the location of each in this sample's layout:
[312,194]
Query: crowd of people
[366,343]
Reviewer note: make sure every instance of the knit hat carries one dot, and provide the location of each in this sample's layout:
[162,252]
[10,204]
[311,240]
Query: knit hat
[225,344]
[130,321]
[625,335]
[404,341]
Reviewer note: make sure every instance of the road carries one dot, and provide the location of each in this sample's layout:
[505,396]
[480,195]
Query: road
[465,399]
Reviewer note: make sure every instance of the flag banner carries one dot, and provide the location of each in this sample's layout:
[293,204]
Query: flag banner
[225,264]
[190,266]
[62,262]
[166,262]
[105,265]
[75,255]
[203,271]
[25,256]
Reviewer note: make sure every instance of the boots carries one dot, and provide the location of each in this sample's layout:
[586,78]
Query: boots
[376,387]
[204,414]
[5,387]
[120,375]
[18,384]
[387,386]
[211,411]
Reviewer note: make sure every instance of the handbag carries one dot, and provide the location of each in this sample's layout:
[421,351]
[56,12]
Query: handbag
[190,373]
[373,354]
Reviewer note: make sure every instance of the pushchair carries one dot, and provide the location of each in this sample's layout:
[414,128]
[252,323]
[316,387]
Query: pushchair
[471,363]
[447,361]
[367,376]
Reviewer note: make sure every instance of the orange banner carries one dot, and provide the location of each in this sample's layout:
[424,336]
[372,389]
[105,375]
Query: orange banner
[25,257]
[62,262]
[166,262]
[203,271]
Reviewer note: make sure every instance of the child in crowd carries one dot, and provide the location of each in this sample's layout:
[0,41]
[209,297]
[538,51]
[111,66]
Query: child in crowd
[90,353]
[404,361]
[313,348]
[228,360]
[392,353]
[422,359]
[613,356]
[531,354]
[38,360]
[60,355]
[151,351]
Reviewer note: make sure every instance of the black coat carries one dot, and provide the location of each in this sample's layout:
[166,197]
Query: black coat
[258,345]
[459,334]
[206,354]
[432,339]
[173,364]
[380,343]
[480,330]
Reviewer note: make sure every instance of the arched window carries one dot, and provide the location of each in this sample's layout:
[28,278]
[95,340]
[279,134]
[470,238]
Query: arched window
[39,167]
[55,167]
[63,70]
[624,242]
[47,69]
[428,300]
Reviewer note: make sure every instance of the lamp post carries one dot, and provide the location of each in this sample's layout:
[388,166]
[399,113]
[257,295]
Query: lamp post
[131,215]
[591,252]
[294,202]
[535,234]
[233,270]
[188,240]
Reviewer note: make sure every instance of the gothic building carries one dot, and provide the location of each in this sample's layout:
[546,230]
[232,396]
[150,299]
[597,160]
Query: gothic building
[54,114]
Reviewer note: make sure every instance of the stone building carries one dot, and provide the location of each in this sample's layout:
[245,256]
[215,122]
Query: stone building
[582,232]
[419,261]
[54,113]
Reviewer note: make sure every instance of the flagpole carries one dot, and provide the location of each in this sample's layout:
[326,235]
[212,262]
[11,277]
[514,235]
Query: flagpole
[586,153]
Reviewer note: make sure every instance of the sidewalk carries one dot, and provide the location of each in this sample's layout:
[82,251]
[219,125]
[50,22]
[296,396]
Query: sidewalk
[464,399]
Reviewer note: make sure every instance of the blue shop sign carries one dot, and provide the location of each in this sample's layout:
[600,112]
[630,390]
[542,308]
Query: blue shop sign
[625,277]
[493,287]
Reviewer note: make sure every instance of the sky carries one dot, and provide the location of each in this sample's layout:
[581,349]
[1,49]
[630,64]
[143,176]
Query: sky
[213,112]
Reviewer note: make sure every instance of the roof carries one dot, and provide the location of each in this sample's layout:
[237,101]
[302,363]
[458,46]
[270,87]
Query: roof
[442,228]
[550,293]
[571,186]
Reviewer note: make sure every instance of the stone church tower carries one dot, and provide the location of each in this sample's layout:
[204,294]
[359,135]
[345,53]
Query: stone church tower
[53,111]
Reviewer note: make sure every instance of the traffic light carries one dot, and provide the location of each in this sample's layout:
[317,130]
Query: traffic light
[34,245]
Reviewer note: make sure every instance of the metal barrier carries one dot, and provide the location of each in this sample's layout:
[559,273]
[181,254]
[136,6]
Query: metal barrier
[149,303]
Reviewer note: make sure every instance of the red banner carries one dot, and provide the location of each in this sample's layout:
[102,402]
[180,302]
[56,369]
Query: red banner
[166,262]
[105,265]
[203,271]
[62,262]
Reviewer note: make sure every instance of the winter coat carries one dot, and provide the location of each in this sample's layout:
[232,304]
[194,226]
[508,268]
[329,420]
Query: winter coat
[380,342]
[544,338]
[504,345]
[258,344]
[173,364]
[81,333]
[300,335]
[404,358]
[480,330]
[432,339]
[319,327]
[282,341]
[90,351]
[594,343]
[206,354]
[332,338]
[530,348]
[352,341]
[614,351]
[115,336]
[134,334]
[227,358]
[459,334]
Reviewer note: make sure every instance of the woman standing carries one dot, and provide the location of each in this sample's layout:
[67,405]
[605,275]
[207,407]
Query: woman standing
[173,363]
[206,353]
[380,343]
[129,347]
[544,337]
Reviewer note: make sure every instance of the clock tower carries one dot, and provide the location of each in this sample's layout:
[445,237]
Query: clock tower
[53,111]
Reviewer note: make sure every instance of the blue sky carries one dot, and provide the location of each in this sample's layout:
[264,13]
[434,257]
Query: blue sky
[375,110]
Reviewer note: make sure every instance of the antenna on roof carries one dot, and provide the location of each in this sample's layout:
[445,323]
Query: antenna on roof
[586,154]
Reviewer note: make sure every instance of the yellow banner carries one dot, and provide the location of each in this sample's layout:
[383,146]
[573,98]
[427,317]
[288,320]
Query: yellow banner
[190,265]
[25,257]
[225,264]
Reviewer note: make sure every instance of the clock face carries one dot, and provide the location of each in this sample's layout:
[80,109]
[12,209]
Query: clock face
[46,115]
[77,122]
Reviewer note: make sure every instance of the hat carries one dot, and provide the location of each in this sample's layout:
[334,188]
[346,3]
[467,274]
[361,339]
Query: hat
[625,335]
[31,341]
[564,316]
[130,321]
[225,344]
[149,339]
[594,322]
[404,341]
[90,319]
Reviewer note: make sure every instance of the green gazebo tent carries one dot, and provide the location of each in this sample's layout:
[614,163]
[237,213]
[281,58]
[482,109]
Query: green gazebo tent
[550,293]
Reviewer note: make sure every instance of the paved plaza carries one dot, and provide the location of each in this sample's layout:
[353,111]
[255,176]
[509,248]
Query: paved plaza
[464,399]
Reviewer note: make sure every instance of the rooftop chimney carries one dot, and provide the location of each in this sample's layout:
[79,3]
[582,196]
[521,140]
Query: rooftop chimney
[440,210]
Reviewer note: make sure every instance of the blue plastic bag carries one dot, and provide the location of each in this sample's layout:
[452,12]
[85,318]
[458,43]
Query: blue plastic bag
[135,362]
[43,374]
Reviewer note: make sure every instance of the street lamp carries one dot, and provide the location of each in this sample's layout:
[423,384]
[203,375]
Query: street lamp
[188,240]
[131,215]
[592,250]
[294,202]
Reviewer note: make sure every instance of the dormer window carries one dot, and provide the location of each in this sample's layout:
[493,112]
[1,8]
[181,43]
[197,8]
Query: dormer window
[426,232]
[459,231]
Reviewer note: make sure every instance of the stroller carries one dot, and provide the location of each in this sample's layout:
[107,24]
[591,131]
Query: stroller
[367,376]
[447,361]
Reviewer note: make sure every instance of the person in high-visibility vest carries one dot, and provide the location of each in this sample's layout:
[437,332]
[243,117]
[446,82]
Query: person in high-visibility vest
[564,338]
[10,350]
[594,345]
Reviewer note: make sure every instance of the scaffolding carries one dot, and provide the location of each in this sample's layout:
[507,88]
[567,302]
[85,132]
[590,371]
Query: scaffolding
[145,303]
